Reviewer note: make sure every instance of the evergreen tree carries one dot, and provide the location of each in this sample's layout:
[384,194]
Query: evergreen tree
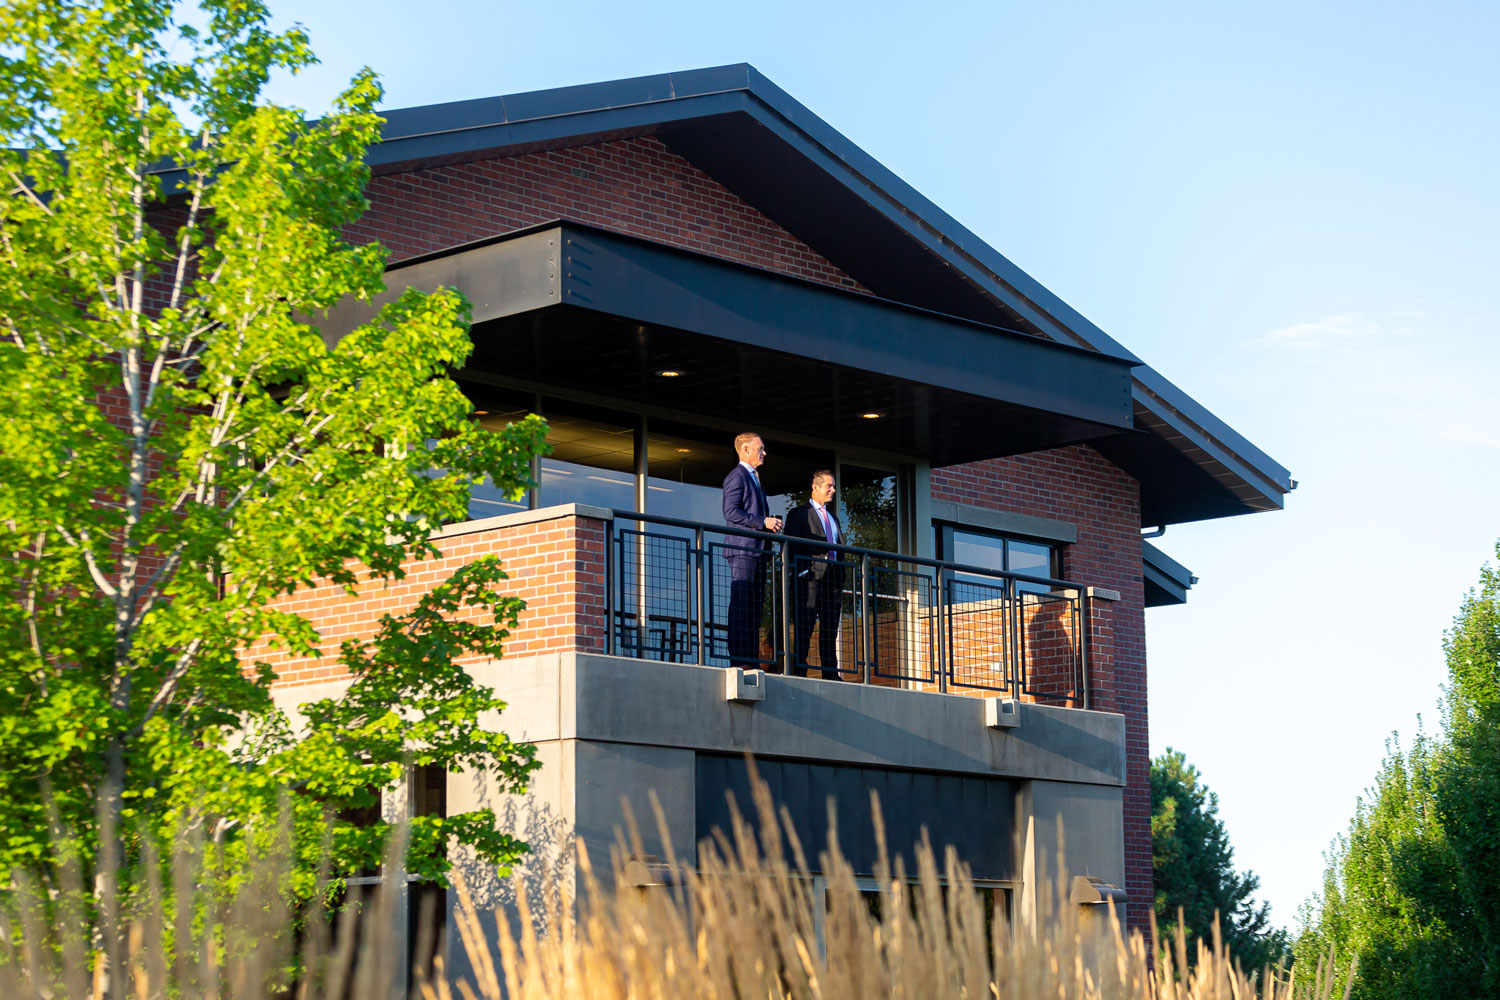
[1193,867]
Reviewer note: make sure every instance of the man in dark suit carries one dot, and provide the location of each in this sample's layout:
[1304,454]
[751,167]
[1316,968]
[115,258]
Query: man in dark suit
[819,589]
[746,506]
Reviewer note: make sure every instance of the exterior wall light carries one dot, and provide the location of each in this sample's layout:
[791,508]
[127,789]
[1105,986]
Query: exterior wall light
[669,373]
[871,416]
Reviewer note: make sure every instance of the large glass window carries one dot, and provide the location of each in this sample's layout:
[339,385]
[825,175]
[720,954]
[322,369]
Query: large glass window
[495,410]
[687,470]
[868,508]
[593,457]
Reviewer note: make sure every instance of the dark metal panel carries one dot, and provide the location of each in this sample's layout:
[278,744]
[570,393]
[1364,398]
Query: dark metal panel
[760,348]
[499,278]
[797,798]
[974,815]
[662,286]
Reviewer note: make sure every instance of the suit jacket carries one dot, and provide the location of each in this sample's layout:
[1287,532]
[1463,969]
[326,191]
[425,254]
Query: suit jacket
[802,521]
[745,506]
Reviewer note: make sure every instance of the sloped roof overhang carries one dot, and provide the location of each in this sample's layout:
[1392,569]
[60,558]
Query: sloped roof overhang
[589,310]
[1167,581]
[748,134]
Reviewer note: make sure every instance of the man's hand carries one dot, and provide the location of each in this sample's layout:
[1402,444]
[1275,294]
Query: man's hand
[773,524]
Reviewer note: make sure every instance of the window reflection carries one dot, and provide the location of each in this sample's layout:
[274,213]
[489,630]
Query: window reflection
[997,552]
[867,499]
[592,460]
[687,474]
[495,410]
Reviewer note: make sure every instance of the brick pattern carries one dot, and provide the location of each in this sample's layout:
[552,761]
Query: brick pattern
[556,567]
[635,186]
[1082,487]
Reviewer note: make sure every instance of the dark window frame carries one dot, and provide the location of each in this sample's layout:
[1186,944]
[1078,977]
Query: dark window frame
[943,536]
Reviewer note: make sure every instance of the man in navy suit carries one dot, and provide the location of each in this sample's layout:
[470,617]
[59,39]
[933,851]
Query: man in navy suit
[819,591]
[746,506]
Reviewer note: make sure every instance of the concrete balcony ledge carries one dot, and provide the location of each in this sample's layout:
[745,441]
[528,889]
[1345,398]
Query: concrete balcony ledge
[582,696]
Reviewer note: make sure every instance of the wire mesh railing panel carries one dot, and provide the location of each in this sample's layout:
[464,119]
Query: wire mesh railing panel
[740,616]
[898,603]
[980,633]
[825,621]
[655,617]
[1049,647]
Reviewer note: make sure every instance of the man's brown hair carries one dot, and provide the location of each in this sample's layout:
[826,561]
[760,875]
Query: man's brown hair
[743,438]
[819,475]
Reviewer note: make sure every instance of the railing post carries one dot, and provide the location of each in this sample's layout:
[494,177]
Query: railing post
[609,587]
[641,621]
[1015,622]
[940,617]
[788,646]
[866,636]
[700,574]
[1083,608]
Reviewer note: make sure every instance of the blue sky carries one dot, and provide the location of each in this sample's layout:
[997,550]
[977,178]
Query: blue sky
[1290,210]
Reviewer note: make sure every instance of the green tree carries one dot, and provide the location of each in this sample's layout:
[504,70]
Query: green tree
[1410,888]
[1193,868]
[179,448]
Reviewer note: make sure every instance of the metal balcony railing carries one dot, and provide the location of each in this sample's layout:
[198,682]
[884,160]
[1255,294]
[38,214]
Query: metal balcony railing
[902,621]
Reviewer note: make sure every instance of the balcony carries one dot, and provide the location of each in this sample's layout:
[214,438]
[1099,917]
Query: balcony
[903,622]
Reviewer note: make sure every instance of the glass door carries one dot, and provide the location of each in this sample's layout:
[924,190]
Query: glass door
[892,606]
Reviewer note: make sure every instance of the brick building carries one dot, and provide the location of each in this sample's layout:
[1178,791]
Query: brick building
[658,263]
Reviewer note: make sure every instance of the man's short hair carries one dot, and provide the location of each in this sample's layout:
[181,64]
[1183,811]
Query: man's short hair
[743,438]
[819,475]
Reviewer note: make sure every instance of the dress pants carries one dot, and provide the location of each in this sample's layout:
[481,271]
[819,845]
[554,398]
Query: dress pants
[747,595]
[819,602]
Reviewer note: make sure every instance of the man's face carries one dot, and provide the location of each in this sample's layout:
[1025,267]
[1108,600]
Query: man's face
[822,490]
[753,453]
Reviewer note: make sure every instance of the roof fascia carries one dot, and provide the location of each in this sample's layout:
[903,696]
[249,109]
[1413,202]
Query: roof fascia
[1169,576]
[1164,564]
[1190,419]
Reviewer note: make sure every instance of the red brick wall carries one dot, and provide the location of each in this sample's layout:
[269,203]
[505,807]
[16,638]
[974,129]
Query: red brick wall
[556,566]
[635,186]
[1082,487]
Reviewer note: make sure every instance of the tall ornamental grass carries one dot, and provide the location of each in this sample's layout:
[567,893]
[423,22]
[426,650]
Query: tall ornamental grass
[741,924]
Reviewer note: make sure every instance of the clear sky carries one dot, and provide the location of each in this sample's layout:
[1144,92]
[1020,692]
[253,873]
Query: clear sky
[1289,209]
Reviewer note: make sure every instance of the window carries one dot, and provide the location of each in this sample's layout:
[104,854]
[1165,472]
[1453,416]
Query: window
[593,456]
[1001,552]
[496,409]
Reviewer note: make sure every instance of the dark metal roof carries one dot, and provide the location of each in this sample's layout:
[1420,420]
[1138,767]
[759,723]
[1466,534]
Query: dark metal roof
[744,131]
[1167,580]
[760,347]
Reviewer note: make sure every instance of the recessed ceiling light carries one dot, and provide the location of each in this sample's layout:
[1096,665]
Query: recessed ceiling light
[871,416]
[481,413]
[684,451]
[669,373]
